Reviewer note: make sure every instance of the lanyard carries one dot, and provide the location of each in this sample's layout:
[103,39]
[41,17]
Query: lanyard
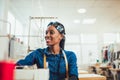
[66,62]
[45,66]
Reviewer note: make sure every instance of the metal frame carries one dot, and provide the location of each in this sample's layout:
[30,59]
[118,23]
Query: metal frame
[32,18]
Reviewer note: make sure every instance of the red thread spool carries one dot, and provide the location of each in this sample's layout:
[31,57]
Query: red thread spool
[7,70]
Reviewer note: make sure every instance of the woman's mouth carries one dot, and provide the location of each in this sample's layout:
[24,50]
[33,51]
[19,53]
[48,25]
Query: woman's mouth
[48,40]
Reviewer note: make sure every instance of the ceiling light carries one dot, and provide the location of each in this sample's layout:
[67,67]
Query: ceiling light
[89,21]
[76,21]
[82,10]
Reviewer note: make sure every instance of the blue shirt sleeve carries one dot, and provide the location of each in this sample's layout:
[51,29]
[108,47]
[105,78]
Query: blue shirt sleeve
[72,63]
[29,59]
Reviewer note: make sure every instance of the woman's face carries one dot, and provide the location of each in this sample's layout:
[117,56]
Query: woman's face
[53,37]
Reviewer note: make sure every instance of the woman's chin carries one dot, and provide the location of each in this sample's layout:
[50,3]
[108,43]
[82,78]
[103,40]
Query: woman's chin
[48,45]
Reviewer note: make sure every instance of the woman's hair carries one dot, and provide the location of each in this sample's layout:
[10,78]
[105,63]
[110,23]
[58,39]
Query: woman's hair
[61,30]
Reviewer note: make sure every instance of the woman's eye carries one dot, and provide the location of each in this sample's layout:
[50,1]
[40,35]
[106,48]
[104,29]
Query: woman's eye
[52,32]
[46,32]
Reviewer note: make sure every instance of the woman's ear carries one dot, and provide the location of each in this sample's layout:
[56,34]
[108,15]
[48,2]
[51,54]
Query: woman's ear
[61,37]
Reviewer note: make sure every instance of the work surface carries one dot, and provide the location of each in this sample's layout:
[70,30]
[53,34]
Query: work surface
[91,77]
[43,74]
[32,74]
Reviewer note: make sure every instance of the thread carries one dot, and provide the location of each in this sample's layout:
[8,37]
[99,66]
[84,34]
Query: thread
[7,70]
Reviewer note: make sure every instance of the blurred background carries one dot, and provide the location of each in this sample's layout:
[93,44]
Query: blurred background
[91,27]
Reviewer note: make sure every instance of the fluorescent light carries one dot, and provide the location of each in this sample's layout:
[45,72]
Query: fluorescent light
[89,21]
[82,10]
[76,21]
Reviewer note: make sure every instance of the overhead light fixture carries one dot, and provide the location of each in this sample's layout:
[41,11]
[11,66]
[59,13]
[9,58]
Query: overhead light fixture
[89,21]
[82,10]
[76,21]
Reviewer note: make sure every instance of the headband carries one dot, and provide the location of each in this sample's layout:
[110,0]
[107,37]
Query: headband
[58,26]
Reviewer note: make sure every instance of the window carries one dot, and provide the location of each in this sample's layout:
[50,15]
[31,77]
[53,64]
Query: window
[89,53]
[85,46]
[73,44]
[11,19]
[89,48]
[88,38]
[110,38]
[16,26]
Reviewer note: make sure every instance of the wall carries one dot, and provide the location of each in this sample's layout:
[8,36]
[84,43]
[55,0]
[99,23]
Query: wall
[4,4]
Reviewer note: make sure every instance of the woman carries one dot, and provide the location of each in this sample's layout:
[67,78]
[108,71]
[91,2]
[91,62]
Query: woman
[61,63]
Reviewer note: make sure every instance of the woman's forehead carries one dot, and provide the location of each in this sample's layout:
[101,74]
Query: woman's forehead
[51,28]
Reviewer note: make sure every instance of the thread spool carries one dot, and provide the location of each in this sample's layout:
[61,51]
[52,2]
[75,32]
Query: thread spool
[6,70]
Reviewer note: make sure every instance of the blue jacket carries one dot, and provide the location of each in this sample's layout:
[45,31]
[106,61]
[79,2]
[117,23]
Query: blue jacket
[56,63]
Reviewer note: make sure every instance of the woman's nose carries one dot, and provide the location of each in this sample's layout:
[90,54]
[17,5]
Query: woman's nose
[47,35]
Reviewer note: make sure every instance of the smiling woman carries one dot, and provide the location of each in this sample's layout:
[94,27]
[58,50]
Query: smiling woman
[57,33]
[62,64]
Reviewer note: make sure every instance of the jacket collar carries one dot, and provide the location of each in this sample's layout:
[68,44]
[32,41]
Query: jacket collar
[47,52]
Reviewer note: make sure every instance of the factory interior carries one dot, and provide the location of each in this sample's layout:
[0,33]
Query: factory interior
[92,30]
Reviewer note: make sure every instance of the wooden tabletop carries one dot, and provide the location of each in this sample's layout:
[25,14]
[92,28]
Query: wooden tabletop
[91,77]
[82,72]
[112,69]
